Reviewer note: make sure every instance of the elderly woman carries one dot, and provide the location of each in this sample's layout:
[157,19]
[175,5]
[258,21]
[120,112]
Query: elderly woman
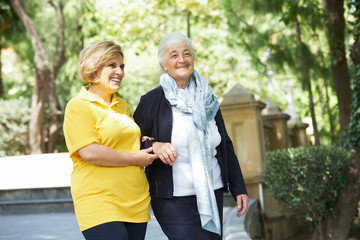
[196,161]
[108,183]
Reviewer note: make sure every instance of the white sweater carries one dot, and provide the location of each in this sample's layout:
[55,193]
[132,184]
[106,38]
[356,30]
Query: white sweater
[182,173]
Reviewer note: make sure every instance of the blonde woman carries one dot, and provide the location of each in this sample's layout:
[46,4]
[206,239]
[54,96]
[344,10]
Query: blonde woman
[108,184]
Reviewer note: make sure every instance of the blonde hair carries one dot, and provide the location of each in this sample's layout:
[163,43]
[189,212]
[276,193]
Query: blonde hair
[93,58]
[167,41]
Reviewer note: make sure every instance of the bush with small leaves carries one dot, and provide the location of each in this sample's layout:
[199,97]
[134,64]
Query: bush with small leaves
[307,180]
[14,125]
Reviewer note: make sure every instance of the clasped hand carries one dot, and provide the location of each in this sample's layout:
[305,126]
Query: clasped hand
[166,152]
[145,157]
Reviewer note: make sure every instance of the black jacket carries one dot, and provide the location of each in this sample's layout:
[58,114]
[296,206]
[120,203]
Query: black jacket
[154,117]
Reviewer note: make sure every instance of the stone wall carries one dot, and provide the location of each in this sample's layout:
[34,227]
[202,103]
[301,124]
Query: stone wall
[257,127]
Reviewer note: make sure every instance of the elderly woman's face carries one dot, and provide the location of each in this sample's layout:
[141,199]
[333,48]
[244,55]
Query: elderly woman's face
[179,62]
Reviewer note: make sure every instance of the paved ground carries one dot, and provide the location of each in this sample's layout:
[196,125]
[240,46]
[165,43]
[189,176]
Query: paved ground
[54,226]
[54,170]
[63,226]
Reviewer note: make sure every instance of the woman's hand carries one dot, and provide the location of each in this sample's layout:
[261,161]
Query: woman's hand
[144,138]
[242,202]
[166,152]
[144,157]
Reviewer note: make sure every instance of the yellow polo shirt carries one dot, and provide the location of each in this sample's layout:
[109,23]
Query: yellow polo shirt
[104,194]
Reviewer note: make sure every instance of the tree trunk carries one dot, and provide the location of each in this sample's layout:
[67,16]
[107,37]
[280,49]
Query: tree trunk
[307,80]
[1,81]
[331,118]
[188,15]
[36,128]
[44,88]
[337,225]
[327,99]
[41,63]
[339,67]
[55,124]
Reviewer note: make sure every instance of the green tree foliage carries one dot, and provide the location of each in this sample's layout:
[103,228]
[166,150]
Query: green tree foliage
[144,23]
[353,134]
[224,57]
[314,177]
[13,36]
[276,26]
[77,30]
[43,16]
[14,125]
[80,24]
[9,23]
[138,27]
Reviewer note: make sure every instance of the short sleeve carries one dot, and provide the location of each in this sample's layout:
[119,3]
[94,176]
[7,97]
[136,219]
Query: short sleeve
[79,125]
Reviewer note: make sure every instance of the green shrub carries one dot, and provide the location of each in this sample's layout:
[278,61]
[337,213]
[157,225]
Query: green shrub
[14,124]
[307,180]
[353,131]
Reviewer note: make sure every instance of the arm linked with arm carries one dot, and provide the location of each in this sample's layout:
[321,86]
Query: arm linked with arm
[108,157]
[142,117]
[82,138]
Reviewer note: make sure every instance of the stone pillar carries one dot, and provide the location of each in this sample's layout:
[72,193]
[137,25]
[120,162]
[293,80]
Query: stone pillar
[296,130]
[278,135]
[242,116]
[276,128]
[245,125]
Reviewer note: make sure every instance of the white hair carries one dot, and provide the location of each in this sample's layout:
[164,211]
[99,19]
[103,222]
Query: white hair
[170,39]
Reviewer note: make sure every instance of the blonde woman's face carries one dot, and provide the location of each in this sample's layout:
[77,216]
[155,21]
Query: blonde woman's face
[110,75]
[179,62]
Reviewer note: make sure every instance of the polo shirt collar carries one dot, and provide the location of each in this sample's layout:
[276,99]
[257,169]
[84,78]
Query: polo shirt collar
[86,95]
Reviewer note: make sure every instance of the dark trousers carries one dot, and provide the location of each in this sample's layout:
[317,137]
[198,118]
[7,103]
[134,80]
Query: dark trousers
[180,220]
[116,231]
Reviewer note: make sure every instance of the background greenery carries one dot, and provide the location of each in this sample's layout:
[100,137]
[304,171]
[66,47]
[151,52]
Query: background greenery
[290,51]
[314,177]
[231,40]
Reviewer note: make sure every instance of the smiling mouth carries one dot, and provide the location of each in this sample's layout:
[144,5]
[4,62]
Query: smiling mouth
[115,80]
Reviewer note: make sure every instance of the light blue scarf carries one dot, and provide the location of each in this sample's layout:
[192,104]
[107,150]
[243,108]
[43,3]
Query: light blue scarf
[199,101]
